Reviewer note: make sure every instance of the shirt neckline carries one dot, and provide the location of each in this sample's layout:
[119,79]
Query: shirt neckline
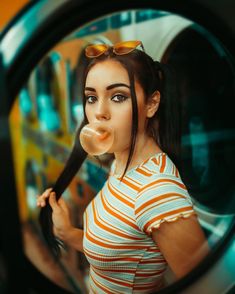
[118,176]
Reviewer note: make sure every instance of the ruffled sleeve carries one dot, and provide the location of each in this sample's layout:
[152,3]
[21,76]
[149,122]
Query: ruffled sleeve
[164,199]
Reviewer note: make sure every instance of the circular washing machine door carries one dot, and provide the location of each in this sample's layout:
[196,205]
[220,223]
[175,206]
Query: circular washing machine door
[199,46]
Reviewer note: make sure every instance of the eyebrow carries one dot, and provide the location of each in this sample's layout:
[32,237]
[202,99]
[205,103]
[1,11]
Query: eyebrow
[109,87]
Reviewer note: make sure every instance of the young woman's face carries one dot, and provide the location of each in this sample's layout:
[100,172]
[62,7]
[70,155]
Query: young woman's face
[108,100]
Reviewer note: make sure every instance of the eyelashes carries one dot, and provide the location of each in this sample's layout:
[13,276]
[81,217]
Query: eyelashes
[90,99]
[117,98]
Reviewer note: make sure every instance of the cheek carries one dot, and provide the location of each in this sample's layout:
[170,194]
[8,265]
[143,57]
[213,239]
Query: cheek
[125,125]
[122,115]
[122,124]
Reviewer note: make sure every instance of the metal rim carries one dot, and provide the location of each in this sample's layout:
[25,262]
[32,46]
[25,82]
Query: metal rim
[50,29]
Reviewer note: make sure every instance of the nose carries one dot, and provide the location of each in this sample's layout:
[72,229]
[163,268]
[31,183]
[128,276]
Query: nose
[102,112]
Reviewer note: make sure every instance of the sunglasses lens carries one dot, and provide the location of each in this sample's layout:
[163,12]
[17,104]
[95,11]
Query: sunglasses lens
[122,48]
[126,47]
[95,50]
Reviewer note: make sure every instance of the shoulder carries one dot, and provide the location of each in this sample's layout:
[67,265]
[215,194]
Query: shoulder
[159,169]
[164,183]
[164,197]
[164,165]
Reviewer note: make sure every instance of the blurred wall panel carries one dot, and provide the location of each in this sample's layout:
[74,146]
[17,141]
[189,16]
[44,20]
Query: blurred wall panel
[8,9]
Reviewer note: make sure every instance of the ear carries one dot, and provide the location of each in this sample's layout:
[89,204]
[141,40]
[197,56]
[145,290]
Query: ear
[153,104]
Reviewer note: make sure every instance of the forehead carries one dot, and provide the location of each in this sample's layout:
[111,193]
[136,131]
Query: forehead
[107,71]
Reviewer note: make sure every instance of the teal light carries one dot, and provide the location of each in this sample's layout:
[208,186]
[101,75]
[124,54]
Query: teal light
[25,102]
[48,116]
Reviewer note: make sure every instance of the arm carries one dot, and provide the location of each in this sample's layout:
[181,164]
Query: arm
[183,244]
[63,228]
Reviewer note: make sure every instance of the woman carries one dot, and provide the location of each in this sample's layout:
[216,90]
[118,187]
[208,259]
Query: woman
[143,218]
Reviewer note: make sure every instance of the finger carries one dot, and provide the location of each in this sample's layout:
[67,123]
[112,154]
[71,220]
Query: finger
[53,202]
[62,203]
[41,201]
[47,192]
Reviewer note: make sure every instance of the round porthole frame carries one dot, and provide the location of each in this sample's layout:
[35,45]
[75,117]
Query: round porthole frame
[48,29]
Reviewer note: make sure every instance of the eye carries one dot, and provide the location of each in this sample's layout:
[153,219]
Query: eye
[90,99]
[118,98]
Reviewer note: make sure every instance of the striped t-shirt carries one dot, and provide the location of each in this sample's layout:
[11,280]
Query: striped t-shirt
[118,224]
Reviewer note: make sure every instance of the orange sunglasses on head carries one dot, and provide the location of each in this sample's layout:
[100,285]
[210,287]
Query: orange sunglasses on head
[121,48]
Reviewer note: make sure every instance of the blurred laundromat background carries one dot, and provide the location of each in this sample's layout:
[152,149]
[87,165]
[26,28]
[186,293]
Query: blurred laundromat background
[48,109]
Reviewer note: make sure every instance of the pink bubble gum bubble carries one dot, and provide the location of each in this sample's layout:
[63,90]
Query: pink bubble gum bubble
[96,138]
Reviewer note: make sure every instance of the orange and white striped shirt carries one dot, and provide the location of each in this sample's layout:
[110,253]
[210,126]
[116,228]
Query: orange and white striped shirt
[118,224]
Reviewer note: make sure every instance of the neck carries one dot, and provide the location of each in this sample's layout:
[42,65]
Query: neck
[145,147]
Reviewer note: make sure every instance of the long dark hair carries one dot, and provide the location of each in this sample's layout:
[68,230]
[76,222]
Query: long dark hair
[73,164]
[164,126]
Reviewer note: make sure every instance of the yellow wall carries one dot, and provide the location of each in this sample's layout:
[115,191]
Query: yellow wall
[8,9]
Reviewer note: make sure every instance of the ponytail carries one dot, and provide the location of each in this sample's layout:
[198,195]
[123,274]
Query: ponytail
[73,164]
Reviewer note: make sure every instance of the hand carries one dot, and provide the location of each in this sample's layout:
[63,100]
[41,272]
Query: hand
[60,213]
[41,200]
